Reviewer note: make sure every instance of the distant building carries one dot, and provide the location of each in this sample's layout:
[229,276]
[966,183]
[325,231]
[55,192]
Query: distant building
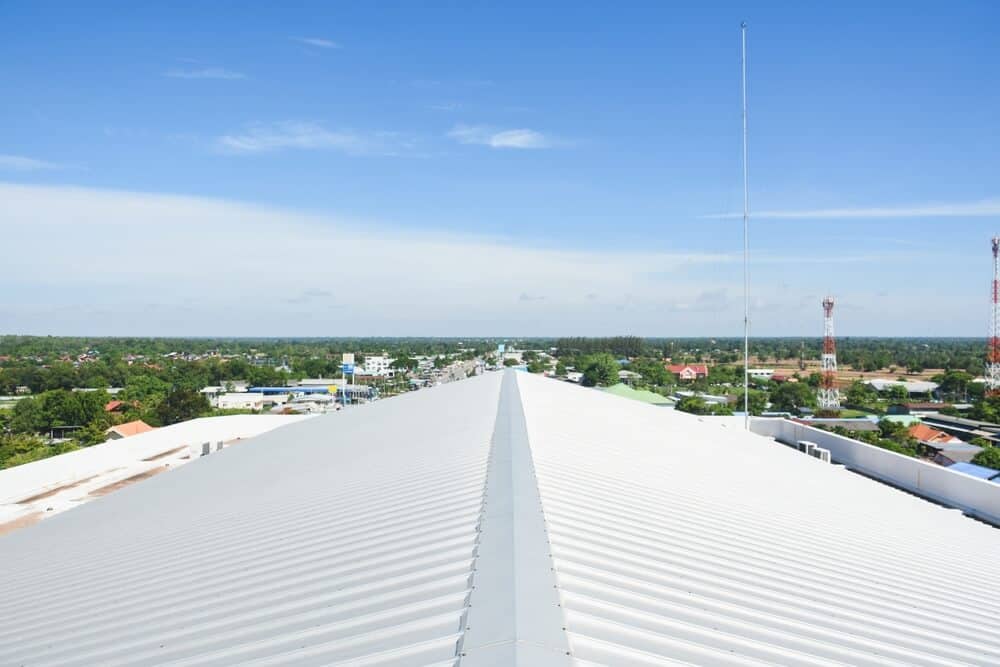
[628,377]
[761,373]
[689,371]
[380,366]
[916,407]
[930,435]
[212,392]
[240,401]
[128,429]
[708,398]
[911,386]
[948,454]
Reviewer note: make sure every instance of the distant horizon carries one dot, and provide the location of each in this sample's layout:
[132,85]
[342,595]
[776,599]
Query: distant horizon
[481,337]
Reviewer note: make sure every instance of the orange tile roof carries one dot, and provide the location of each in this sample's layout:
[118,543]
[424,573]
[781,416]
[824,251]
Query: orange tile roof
[925,433]
[130,428]
[700,369]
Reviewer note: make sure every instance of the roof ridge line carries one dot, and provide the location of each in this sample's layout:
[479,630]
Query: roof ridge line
[514,614]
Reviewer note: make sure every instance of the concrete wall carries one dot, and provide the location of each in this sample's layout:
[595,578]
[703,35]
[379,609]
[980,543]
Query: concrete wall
[974,496]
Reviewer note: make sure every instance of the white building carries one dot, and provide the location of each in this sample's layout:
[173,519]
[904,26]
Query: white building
[250,400]
[911,386]
[379,366]
[761,373]
[212,392]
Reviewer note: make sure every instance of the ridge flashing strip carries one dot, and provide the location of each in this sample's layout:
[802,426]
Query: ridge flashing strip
[515,615]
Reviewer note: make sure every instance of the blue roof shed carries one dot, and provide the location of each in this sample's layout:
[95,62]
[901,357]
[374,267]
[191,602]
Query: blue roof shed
[982,472]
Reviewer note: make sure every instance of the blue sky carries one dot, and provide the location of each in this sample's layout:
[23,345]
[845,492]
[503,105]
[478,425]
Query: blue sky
[476,169]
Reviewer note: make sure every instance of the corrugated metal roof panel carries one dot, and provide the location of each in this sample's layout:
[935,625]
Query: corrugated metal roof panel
[513,522]
[675,539]
[346,538]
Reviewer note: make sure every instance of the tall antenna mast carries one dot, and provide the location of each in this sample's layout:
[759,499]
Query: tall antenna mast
[746,238]
[992,373]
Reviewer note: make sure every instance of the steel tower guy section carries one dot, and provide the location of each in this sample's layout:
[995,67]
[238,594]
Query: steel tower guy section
[828,396]
[992,373]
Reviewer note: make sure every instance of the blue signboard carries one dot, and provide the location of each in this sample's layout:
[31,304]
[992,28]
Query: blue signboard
[348,369]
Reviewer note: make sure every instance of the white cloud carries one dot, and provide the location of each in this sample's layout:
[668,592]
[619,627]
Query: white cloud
[317,42]
[982,208]
[132,263]
[21,163]
[205,73]
[217,267]
[261,138]
[488,136]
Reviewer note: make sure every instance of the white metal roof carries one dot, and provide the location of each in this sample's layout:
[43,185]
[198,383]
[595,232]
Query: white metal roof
[912,386]
[520,521]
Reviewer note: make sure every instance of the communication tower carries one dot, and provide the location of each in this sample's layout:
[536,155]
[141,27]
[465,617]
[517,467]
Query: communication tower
[992,373]
[829,397]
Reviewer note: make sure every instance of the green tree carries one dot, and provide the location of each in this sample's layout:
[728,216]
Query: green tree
[790,396]
[989,457]
[18,448]
[27,416]
[987,409]
[180,405]
[757,401]
[696,405]
[404,363]
[600,370]
[953,383]
[896,392]
[510,362]
[892,429]
[860,393]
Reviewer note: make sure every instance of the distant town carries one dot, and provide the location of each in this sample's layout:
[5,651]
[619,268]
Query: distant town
[923,398]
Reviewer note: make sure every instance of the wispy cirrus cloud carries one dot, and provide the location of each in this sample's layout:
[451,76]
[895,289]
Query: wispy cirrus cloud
[317,42]
[975,209]
[205,73]
[485,135]
[298,135]
[22,163]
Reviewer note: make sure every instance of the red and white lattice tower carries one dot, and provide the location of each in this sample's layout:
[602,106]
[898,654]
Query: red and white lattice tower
[828,396]
[992,373]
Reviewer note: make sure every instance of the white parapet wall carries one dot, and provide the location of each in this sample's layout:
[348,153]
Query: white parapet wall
[974,496]
[116,457]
